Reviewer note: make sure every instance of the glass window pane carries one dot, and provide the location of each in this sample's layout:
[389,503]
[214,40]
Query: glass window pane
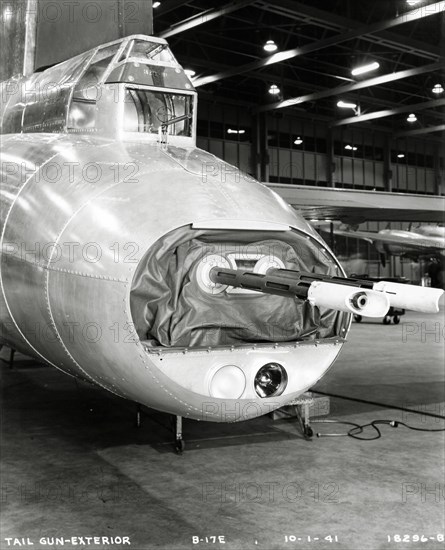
[148,111]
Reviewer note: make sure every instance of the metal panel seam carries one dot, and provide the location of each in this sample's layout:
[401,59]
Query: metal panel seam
[1,277]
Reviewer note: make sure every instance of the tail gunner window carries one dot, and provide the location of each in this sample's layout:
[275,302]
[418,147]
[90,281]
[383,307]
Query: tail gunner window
[151,51]
[151,111]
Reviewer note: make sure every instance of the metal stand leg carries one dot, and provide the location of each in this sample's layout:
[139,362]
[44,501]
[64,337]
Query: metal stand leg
[179,442]
[303,419]
[11,358]
[306,421]
[138,422]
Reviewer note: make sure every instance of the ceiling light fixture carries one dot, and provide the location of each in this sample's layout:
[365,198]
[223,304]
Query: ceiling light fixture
[345,105]
[270,46]
[412,118]
[231,131]
[190,72]
[274,90]
[298,141]
[365,68]
[401,156]
[438,89]
[351,147]
[156,5]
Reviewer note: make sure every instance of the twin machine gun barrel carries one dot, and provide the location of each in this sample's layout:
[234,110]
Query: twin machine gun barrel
[361,297]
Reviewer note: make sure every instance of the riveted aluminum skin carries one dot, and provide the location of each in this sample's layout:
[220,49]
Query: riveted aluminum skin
[81,206]
[79,214]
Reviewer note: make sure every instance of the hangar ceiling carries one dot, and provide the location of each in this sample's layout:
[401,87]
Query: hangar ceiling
[319,43]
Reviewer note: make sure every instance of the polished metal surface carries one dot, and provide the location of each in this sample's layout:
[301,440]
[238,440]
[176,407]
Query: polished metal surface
[88,94]
[71,245]
[79,212]
[17,20]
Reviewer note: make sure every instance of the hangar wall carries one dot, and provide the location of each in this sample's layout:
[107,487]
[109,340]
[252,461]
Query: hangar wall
[420,171]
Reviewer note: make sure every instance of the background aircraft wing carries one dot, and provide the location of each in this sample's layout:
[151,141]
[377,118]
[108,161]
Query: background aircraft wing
[413,241]
[354,207]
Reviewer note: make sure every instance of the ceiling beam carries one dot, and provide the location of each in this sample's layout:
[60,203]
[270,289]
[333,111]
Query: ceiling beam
[390,112]
[291,83]
[413,15]
[376,102]
[261,76]
[204,17]
[420,131]
[329,69]
[302,12]
[341,90]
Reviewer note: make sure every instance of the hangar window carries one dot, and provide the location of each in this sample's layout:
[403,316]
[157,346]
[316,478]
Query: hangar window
[149,111]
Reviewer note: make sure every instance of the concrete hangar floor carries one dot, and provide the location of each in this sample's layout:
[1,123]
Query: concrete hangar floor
[74,465]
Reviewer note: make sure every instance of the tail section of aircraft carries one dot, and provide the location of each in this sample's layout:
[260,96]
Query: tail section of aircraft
[112,224]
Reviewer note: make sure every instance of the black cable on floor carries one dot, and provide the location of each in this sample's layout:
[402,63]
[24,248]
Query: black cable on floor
[355,427]
[354,433]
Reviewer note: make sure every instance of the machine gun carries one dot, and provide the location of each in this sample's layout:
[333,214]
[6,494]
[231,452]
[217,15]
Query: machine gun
[360,297]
